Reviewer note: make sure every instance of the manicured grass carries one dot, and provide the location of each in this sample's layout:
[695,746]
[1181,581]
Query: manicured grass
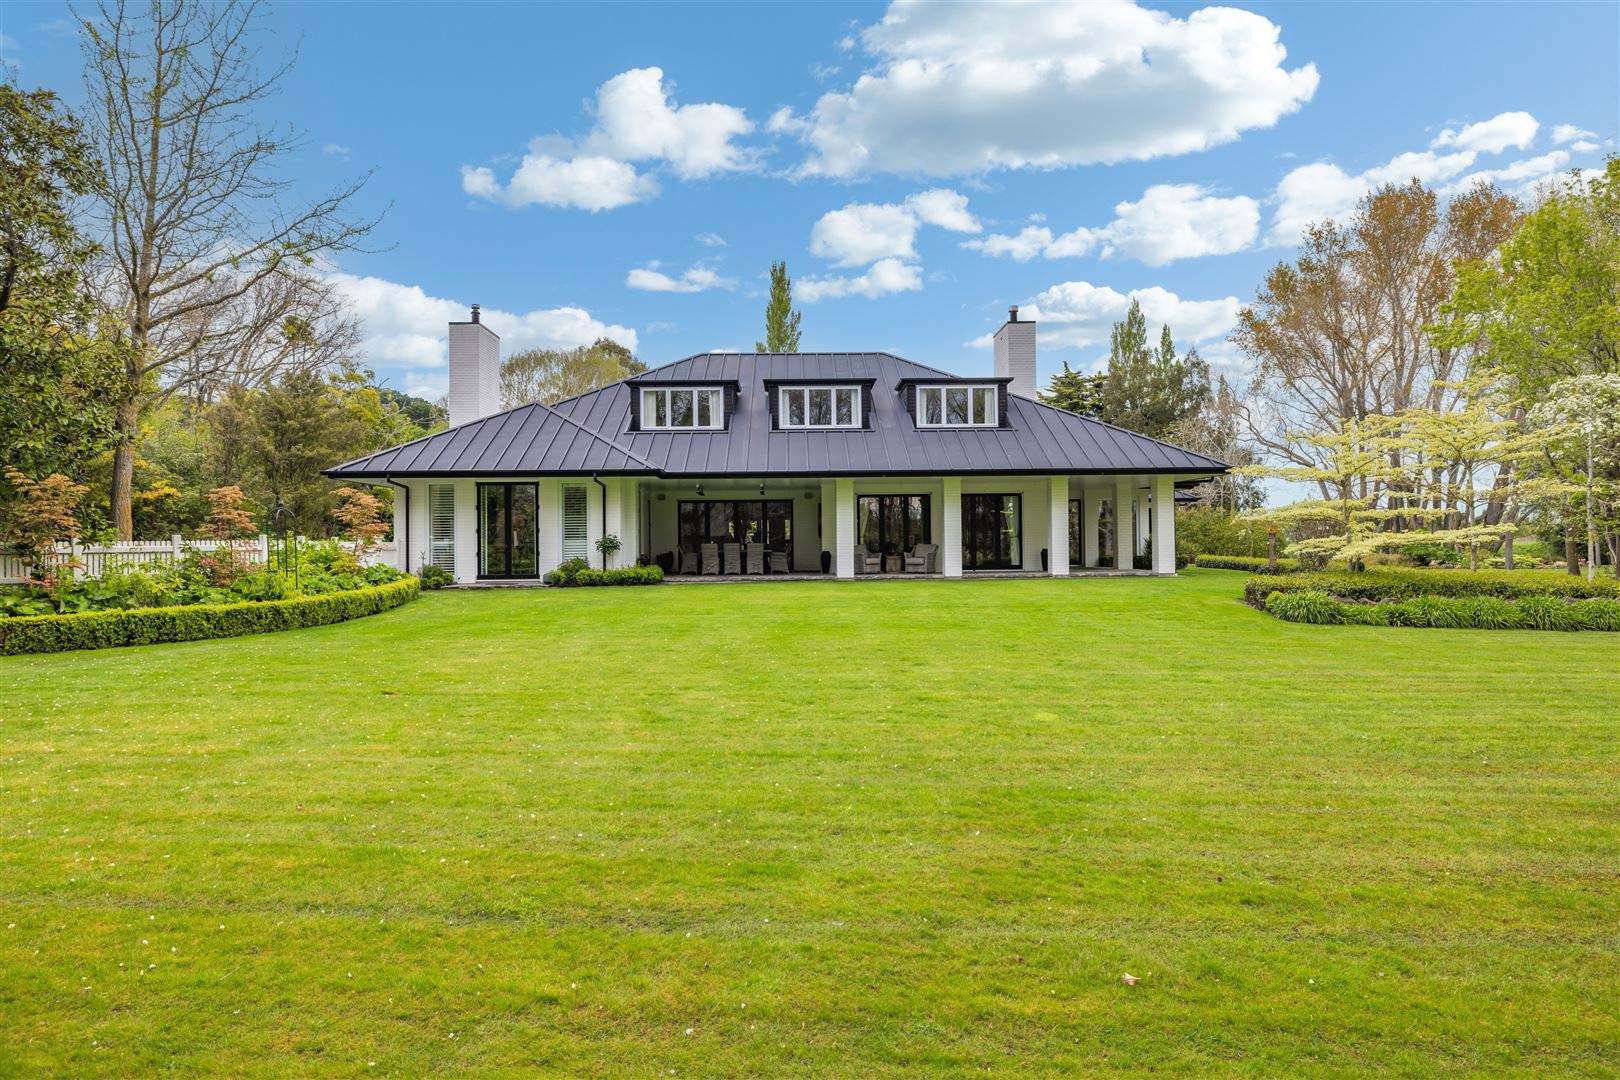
[841,829]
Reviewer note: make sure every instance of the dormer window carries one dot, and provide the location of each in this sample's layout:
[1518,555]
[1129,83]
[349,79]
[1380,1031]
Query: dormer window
[957,406]
[819,407]
[685,408]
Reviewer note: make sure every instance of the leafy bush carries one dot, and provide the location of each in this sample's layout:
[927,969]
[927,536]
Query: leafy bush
[575,572]
[147,626]
[1210,530]
[435,577]
[1304,599]
[1429,553]
[1403,584]
[1245,562]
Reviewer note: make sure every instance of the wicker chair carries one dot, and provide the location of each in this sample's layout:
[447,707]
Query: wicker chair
[780,563]
[867,562]
[753,558]
[920,559]
[691,561]
[711,558]
[731,558]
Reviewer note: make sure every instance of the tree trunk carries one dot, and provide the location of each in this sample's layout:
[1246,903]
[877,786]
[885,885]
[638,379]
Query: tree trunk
[1507,551]
[1271,551]
[127,427]
[1572,553]
[1614,553]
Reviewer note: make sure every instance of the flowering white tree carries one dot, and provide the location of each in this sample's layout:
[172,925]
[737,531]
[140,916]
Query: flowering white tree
[1580,422]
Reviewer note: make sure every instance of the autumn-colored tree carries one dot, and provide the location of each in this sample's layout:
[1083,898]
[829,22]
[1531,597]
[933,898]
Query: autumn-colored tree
[228,519]
[360,513]
[38,515]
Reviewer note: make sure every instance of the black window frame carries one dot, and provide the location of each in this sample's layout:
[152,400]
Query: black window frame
[883,518]
[478,505]
[1017,561]
[764,506]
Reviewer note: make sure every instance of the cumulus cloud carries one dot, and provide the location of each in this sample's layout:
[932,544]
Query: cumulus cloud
[1317,192]
[882,278]
[1169,222]
[1517,176]
[694,280]
[1568,133]
[709,239]
[862,233]
[969,87]
[405,327]
[1504,131]
[1077,314]
[635,122]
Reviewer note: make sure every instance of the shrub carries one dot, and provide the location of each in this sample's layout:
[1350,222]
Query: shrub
[435,577]
[1476,612]
[1429,553]
[1245,562]
[1211,530]
[1403,584]
[148,626]
[1306,606]
[574,572]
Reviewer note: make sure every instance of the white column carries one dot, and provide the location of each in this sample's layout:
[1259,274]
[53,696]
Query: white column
[1057,548]
[466,530]
[950,533]
[844,527]
[550,524]
[1124,520]
[1164,525]
[629,523]
[1090,515]
[829,524]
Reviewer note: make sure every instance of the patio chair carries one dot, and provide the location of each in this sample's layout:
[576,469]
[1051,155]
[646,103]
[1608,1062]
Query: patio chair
[920,559]
[731,558]
[753,558]
[779,562]
[867,562]
[711,558]
[691,561]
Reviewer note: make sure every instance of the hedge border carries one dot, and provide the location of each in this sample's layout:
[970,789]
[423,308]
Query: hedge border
[1254,564]
[1479,612]
[32,634]
[1396,585]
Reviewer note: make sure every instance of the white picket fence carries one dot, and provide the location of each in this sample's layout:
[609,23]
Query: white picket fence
[92,559]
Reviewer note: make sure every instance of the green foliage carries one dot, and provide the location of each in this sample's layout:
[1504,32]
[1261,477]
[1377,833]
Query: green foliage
[781,321]
[1481,612]
[1076,391]
[1429,553]
[1213,530]
[1149,391]
[1249,563]
[551,375]
[435,577]
[149,626]
[608,544]
[576,572]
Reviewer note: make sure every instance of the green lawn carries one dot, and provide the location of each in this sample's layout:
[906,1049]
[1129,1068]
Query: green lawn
[859,829]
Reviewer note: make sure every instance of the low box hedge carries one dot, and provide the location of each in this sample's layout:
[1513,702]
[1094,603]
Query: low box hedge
[1249,563]
[574,573]
[1479,612]
[150,626]
[1401,584]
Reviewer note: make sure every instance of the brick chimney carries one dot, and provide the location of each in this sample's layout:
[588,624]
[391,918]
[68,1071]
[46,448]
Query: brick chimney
[1015,353]
[475,370]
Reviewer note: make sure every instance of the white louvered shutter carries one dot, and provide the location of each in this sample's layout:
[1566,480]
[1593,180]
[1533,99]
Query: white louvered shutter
[442,526]
[575,542]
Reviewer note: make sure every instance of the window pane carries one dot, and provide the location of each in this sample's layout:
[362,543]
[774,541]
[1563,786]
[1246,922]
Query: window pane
[956,405]
[846,407]
[680,408]
[720,522]
[705,413]
[916,520]
[821,407]
[491,531]
[525,534]
[660,407]
[795,407]
[931,407]
[984,404]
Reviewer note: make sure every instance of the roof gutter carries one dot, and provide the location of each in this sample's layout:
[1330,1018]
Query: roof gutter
[597,480]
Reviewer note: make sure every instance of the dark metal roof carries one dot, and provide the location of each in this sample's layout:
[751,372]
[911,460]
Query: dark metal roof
[589,433]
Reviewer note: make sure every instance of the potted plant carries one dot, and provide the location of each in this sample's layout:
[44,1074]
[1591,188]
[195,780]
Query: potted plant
[608,545]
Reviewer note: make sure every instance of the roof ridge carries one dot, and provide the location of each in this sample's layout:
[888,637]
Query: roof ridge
[1122,430]
[593,433]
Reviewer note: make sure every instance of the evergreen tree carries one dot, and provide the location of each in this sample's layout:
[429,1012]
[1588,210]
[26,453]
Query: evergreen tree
[1149,391]
[1075,391]
[781,321]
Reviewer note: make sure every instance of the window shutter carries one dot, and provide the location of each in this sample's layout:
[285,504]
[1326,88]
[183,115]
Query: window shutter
[576,544]
[442,526]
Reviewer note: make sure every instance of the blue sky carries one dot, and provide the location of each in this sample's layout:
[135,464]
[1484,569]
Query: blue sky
[989,155]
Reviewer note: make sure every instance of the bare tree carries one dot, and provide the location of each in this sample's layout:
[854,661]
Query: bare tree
[210,255]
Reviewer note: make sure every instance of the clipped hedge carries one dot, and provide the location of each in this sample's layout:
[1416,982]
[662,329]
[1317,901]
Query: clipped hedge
[1249,563]
[1479,612]
[1400,584]
[150,626]
[569,577]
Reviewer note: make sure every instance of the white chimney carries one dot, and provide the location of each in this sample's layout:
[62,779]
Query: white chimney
[475,371]
[1015,354]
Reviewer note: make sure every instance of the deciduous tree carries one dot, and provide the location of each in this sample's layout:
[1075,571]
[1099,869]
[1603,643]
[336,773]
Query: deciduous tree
[781,320]
[551,375]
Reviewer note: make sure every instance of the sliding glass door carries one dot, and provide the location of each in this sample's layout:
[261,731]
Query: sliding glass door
[739,521]
[992,532]
[891,524]
[508,540]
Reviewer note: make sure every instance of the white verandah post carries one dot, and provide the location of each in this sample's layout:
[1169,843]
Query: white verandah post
[1124,519]
[950,540]
[1057,547]
[1164,525]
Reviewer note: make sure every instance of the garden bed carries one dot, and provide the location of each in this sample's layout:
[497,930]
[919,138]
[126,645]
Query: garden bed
[1479,600]
[192,622]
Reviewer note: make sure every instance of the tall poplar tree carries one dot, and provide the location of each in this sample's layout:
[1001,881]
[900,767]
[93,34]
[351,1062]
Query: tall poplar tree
[781,321]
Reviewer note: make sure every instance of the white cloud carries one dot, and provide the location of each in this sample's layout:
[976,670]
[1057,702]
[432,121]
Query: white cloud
[1584,146]
[709,239]
[696,279]
[1169,222]
[405,327]
[1515,177]
[968,87]
[1568,133]
[862,233]
[1504,131]
[882,278]
[1077,314]
[1317,192]
[336,150]
[635,121]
